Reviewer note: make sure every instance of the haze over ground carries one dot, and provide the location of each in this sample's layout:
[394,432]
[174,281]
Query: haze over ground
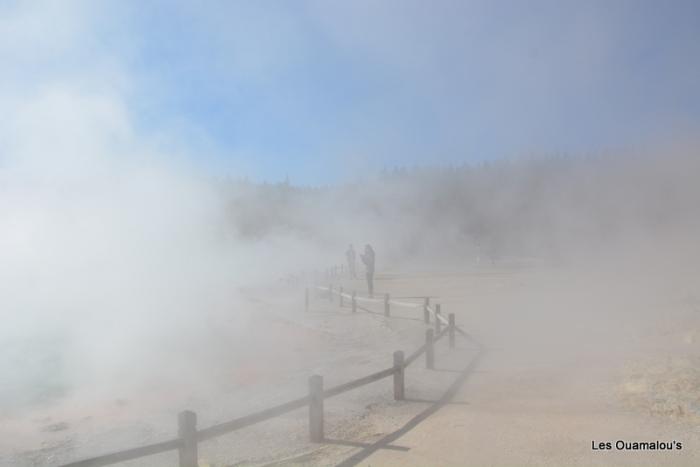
[158,160]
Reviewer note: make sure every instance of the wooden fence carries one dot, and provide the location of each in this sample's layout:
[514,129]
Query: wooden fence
[334,272]
[189,436]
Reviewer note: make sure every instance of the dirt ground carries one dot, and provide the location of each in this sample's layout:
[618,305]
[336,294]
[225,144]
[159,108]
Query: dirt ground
[571,358]
[562,350]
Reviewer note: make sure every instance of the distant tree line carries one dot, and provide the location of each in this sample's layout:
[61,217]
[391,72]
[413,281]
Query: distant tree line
[533,207]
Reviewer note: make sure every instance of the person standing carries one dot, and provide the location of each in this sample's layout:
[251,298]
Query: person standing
[368,260]
[352,262]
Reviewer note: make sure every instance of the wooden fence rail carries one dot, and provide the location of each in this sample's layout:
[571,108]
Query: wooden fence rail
[248,420]
[189,436]
[129,454]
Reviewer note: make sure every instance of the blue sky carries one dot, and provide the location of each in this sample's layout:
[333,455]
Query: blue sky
[323,90]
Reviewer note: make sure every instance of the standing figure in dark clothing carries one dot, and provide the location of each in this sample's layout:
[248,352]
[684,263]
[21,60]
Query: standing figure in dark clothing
[352,262]
[368,259]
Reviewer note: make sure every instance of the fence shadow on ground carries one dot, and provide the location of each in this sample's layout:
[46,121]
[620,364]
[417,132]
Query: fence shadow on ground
[189,435]
[415,421]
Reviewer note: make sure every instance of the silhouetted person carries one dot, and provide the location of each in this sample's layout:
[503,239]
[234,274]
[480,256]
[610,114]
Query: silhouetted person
[352,262]
[368,259]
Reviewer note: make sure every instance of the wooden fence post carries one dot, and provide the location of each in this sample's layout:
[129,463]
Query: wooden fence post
[187,431]
[438,322]
[452,330]
[426,313]
[340,297]
[316,408]
[399,387]
[354,301]
[429,349]
[386,304]
[306,299]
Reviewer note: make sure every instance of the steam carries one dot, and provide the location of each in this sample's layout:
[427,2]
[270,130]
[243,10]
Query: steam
[105,248]
[126,261]
[120,267]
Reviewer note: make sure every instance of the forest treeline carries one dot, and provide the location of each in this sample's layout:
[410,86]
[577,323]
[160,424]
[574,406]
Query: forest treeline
[547,207]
